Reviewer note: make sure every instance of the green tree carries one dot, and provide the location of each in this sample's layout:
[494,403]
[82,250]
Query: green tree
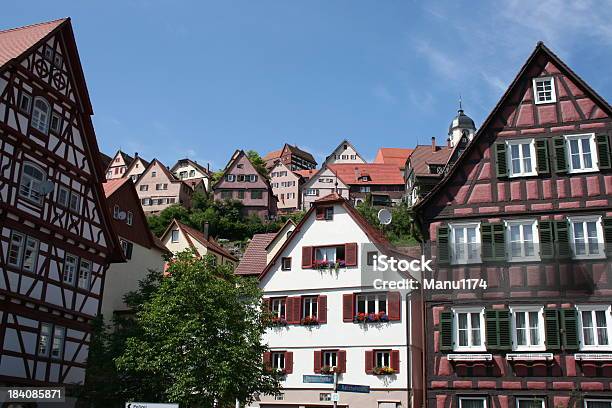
[257,162]
[159,223]
[401,231]
[201,339]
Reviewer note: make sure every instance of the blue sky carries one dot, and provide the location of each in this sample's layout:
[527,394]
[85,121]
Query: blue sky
[170,79]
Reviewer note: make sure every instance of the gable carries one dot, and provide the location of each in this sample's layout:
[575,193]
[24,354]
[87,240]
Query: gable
[241,165]
[126,199]
[324,173]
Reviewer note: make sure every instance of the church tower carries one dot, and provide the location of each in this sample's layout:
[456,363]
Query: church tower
[461,126]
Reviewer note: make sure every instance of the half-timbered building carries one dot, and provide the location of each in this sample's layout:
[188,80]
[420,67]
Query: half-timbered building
[56,239]
[525,212]
[118,166]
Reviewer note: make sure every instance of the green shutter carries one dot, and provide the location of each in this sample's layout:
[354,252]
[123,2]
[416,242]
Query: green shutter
[560,154]
[569,328]
[499,241]
[603,151]
[498,329]
[562,239]
[446,330]
[607,226]
[486,236]
[547,250]
[542,156]
[502,161]
[443,245]
[553,331]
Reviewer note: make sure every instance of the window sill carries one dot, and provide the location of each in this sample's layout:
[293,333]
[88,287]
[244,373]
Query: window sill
[455,263]
[580,171]
[544,102]
[587,257]
[593,356]
[529,356]
[597,348]
[524,259]
[469,357]
[522,175]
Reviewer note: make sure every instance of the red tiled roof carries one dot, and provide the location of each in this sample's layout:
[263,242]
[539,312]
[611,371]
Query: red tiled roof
[16,41]
[392,155]
[423,156]
[208,243]
[306,174]
[273,155]
[350,173]
[255,257]
[112,185]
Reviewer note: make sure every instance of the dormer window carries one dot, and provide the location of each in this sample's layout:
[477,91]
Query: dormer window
[544,90]
[365,178]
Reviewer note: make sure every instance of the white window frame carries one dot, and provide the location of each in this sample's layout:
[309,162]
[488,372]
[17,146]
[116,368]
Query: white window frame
[34,254]
[19,247]
[231,178]
[280,356]
[33,184]
[587,400]
[55,117]
[330,356]
[68,276]
[174,238]
[277,305]
[28,98]
[312,192]
[478,243]
[483,399]
[456,346]
[66,200]
[310,306]
[592,308]
[48,336]
[541,346]
[58,340]
[536,241]
[594,154]
[385,356]
[532,152]
[553,94]
[41,119]
[378,302]
[540,399]
[75,202]
[84,278]
[600,236]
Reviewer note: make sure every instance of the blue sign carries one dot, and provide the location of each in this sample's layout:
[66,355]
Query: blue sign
[364,389]
[318,379]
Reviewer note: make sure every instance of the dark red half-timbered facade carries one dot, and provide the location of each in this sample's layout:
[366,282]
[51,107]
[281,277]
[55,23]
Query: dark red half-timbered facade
[526,212]
[56,240]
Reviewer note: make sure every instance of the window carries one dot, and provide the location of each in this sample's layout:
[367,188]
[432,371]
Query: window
[182,174]
[25,103]
[278,360]
[116,211]
[230,177]
[591,403]
[586,237]
[32,179]
[51,341]
[521,157]
[330,358]
[48,53]
[528,324]
[84,274]
[191,173]
[16,249]
[581,153]
[465,243]
[41,115]
[44,339]
[522,238]
[153,174]
[530,403]
[75,202]
[595,327]
[286,264]
[70,268]
[472,402]
[63,196]
[544,90]
[382,359]
[57,348]
[130,218]
[226,194]
[23,252]
[56,123]
[241,194]
[256,194]
[57,60]
[371,303]
[370,257]
[329,254]
[329,213]
[127,248]
[312,192]
[364,189]
[469,329]
[175,235]
[309,306]
[278,307]
[144,187]
[30,254]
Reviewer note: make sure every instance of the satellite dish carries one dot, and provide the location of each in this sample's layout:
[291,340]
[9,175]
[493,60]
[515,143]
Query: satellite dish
[47,187]
[384,216]
[122,215]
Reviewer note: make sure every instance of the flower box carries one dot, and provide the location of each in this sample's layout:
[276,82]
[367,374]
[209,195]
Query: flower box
[380,317]
[327,369]
[384,371]
[310,321]
[279,321]
[340,263]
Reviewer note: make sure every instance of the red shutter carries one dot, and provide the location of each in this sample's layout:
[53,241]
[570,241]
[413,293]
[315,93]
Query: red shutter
[369,362]
[394,306]
[267,360]
[320,213]
[289,309]
[288,362]
[342,361]
[307,257]
[322,309]
[395,360]
[348,308]
[350,253]
[296,309]
[317,362]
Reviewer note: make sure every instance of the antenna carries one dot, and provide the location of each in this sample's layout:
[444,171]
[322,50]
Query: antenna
[460,103]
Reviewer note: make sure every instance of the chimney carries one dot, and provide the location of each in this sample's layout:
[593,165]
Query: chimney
[208,166]
[448,142]
[136,155]
[433,144]
[205,228]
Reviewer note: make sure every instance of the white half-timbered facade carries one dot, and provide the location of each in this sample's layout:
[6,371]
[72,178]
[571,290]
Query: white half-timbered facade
[55,236]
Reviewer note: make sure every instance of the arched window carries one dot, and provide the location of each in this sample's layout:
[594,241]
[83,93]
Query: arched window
[32,179]
[41,114]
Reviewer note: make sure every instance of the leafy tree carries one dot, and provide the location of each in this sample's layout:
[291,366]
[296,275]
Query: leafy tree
[159,223]
[257,162]
[401,231]
[199,339]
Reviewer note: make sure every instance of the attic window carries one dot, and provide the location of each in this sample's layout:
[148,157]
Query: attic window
[240,166]
[175,235]
[544,90]
[435,169]
[365,178]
